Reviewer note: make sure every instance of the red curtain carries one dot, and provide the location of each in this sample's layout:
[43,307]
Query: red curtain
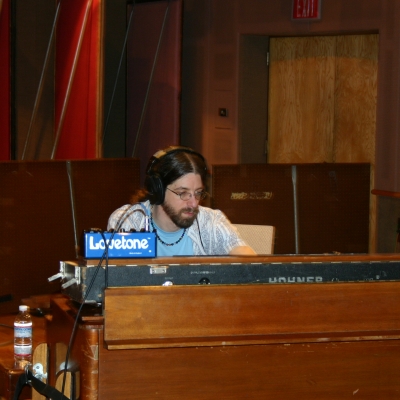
[77,81]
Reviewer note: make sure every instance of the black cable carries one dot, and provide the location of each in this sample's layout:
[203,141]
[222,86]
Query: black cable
[106,244]
[77,319]
[91,283]
[201,240]
[89,287]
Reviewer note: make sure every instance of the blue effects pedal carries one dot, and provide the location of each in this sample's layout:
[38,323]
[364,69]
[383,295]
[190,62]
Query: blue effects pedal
[120,245]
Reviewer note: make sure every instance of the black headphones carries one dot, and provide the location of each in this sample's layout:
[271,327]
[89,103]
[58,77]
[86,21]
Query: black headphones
[153,182]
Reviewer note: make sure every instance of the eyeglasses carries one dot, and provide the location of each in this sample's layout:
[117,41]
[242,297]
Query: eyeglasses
[185,196]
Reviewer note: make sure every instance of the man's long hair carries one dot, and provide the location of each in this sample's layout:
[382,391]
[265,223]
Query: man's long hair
[175,163]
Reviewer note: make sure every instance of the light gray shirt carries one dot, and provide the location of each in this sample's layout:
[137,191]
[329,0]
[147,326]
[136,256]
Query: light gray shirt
[211,233]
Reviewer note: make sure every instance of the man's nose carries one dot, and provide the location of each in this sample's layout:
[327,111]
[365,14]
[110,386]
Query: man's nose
[192,202]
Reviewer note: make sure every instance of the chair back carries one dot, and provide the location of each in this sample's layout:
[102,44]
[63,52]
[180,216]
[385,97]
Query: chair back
[259,237]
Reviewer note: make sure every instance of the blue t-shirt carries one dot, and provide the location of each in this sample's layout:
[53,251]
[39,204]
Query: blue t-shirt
[183,248]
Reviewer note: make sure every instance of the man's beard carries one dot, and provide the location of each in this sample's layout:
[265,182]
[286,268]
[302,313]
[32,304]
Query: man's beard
[176,216]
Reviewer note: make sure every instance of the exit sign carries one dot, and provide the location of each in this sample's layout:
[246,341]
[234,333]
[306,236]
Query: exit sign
[306,9]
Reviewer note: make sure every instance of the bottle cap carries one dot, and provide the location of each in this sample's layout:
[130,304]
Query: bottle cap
[23,308]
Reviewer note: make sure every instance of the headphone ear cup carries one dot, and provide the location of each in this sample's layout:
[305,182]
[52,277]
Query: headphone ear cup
[155,188]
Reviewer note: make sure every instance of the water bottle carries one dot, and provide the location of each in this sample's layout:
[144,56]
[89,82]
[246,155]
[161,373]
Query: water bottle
[22,338]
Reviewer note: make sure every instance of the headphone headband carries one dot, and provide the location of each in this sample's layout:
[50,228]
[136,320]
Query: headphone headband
[153,182]
[170,150]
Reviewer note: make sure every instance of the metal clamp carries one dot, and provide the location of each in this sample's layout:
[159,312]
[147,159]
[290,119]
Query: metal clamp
[38,373]
[67,276]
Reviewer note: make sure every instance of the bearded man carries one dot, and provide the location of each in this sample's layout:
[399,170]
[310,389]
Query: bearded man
[169,205]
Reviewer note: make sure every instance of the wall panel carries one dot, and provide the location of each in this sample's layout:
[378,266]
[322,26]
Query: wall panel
[44,208]
[153,78]
[5,83]
[315,208]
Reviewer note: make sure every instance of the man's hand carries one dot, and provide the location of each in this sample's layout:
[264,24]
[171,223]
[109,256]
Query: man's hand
[242,251]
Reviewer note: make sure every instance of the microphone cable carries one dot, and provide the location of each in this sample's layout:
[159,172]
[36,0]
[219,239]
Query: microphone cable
[201,240]
[92,281]
[89,287]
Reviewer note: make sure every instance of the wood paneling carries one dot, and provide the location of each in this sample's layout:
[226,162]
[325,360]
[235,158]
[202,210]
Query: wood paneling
[301,105]
[355,98]
[355,107]
[220,314]
[326,371]
[323,99]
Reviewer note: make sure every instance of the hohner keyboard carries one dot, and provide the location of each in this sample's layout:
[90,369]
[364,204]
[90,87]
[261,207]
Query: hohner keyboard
[79,276]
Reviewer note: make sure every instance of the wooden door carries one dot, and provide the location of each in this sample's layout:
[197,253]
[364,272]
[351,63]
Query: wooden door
[322,102]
